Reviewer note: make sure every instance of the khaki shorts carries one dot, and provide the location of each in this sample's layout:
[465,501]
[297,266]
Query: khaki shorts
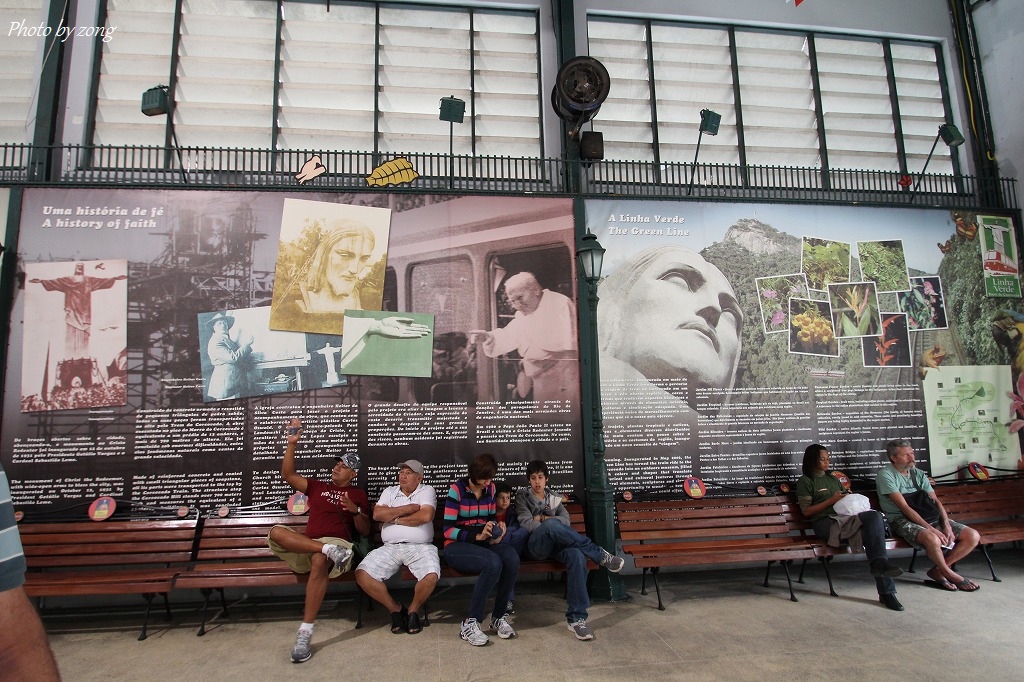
[303,562]
[908,530]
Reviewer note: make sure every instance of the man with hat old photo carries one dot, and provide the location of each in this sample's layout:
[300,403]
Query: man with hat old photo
[229,376]
[338,512]
[406,514]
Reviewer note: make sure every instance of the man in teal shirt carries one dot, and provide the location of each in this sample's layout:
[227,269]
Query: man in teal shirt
[898,480]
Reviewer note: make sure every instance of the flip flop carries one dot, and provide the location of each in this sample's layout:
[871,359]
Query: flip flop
[967,585]
[938,581]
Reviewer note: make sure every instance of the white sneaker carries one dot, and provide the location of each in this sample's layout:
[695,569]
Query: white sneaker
[301,651]
[472,633]
[339,555]
[501,626]
[580,629]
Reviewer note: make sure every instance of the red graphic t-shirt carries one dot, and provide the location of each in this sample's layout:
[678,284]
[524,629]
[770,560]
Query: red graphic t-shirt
[327,514]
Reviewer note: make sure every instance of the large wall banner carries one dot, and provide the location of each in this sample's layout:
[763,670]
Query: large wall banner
[160,359]
[734,335]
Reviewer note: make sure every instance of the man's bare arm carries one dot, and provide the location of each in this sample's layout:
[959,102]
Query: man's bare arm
[288,472]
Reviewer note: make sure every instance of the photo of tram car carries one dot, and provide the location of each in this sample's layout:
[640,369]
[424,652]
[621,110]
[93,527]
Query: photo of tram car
[452,259]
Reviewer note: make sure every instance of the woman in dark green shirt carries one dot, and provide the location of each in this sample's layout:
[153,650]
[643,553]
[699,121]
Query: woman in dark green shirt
[817,491]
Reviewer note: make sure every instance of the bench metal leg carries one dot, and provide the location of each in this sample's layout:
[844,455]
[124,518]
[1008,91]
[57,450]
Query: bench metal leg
[767,571]
[359,607]
[657,588]
[825,561]
[913,558]
[785,565]
[148,596]
[992,570]
[803,565]
[207,593]
[643,582]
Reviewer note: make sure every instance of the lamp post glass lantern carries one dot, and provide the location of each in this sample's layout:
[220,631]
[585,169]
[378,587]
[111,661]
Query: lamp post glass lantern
[590,256]
[600,499]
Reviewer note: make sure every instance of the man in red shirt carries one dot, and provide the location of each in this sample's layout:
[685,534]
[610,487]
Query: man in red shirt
[338,511]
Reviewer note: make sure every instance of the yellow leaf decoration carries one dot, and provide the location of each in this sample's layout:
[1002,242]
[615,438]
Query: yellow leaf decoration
[394,172]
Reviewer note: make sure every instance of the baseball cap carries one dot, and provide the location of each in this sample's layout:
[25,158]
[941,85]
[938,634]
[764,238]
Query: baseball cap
[413,464]
[351,460]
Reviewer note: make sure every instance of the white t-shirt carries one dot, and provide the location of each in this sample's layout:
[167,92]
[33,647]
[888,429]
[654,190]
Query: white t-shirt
[424,495]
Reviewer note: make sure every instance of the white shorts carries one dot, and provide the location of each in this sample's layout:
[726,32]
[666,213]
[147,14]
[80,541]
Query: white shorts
[384,562]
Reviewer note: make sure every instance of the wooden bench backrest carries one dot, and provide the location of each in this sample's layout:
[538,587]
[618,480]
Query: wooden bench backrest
[993,499]
[702,518]
[242,537]
[107,543]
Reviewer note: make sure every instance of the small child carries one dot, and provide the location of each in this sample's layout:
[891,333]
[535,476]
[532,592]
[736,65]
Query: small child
[517,535]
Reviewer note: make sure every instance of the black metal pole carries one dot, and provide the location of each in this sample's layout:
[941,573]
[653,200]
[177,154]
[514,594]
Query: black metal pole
[693,171]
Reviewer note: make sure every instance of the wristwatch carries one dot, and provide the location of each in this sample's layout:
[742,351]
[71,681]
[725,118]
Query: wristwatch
[359,511]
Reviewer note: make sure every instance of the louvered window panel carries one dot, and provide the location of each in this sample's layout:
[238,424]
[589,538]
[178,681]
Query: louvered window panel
[22,56]
[506,84]
[327,77]
[856,105]
[135,60]
[224,95]
[779,119]
[625,118]
[692,71]
[921,105]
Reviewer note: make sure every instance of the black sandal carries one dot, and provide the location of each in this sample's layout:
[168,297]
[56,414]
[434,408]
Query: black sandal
[399,621]
[414,624]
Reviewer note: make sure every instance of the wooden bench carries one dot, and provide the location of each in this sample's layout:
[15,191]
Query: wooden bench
[994,508]
[232,551]
[85,557]
[707,531]
[801,526]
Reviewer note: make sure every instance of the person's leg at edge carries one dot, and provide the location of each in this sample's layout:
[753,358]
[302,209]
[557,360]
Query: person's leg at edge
[577,599]
[25,652]
[424,588]
[377,591]
[468,558]
[553,536]
[873,534]
[316,586]
[933,549]
[508,558]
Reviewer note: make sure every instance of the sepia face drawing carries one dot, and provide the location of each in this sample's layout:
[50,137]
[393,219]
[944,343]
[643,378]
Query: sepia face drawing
[682,319]
[346,260]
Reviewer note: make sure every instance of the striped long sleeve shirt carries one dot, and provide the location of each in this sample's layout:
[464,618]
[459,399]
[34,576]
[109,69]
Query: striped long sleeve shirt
[465,515]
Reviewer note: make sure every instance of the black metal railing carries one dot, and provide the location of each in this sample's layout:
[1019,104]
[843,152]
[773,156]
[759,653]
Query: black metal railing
[209,167]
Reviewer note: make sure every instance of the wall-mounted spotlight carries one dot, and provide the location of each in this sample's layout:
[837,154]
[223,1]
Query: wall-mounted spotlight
[157,102]
[581,87]
[453,109]
[709,122]
[949,134]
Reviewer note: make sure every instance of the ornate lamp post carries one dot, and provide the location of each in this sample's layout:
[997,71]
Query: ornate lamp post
[600,502]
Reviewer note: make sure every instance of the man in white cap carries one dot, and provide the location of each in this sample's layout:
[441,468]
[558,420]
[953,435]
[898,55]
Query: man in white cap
[406,514]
